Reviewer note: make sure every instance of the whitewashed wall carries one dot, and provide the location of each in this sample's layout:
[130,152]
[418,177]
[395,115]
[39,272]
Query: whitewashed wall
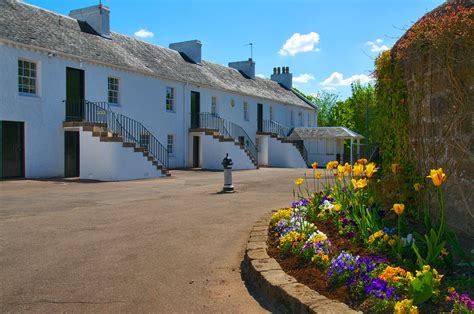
[317,150]
[110,161]
[141,98]
[284,155]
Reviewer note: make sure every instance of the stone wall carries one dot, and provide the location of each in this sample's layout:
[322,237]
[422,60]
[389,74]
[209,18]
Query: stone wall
[440,85]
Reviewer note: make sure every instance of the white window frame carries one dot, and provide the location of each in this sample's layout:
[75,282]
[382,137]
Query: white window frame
[170,144]
[214,105]
[170,101]
[246,111]
[271,112]
[300,118]
[22,76]
[117,91]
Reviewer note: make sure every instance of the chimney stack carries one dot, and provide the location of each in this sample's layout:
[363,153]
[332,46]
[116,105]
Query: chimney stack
[247,68]
[97,16]
[191,48]
[283,77]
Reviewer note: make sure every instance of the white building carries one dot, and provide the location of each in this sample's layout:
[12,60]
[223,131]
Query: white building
[79,100]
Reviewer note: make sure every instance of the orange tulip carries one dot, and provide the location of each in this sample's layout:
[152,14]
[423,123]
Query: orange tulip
[398,208]
[437,176]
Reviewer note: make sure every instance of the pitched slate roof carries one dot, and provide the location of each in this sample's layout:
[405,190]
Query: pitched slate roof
[33,26]
[325,132]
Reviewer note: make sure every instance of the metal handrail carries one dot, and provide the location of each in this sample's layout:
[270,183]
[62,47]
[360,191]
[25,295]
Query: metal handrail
[273,127]
[206,120]
[129,129]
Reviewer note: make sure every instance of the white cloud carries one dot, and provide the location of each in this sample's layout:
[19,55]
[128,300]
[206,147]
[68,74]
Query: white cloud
[376,46]
[300,43]
[303,78]
[143,33]
[260,75]
[337,79]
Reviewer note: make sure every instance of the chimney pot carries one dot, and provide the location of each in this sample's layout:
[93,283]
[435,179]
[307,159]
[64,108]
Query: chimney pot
[278,70]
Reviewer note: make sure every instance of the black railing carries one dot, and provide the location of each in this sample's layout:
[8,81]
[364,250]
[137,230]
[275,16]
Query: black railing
[273,127]
[129,129]
[209,121]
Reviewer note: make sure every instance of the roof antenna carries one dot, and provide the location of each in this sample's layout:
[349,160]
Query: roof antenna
[251,50]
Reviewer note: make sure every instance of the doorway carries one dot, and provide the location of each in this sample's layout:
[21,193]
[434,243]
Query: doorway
[71,154]
[12,149]
[195,109]
[196,160]
[74,94]
[259,118]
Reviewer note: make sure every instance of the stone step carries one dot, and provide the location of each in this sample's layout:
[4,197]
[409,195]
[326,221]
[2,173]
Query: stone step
[111,139]
[128,145]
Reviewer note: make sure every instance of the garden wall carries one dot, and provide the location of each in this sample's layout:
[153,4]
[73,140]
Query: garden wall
[438,65]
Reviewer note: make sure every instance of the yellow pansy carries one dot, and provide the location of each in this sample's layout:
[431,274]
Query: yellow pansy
[314,165]
[398,208]
[318,175]
[337,207]
[437,176]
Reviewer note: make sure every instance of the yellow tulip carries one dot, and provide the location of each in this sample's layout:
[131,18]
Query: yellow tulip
[347,168]
[359,184]
[357,170]
[314,165]
[437,176]
[398,208]
[362,161]
[299,181]
[417,186]
[318,175]
[370,169]
[396,168]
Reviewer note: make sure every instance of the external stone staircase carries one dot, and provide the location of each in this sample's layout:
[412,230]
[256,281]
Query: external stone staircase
[101,130]
[221,138]
[297,144]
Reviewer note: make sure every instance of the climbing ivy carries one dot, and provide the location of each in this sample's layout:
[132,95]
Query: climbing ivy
[390,119]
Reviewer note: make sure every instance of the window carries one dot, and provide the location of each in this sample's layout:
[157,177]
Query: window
[271,112]
[170,144]
[315,119]
[292,118]
[232,103]
[169,99]
[113,90]
[300,118]
[246,111]
[308,118]
[27,77]
[214,105]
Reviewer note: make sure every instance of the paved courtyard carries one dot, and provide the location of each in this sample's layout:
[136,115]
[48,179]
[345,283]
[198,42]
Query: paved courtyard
[165,245]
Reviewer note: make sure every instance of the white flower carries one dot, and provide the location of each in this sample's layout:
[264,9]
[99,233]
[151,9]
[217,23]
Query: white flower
[409,240]
[326,205]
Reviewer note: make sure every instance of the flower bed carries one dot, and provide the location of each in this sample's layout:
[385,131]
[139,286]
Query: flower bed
[346,245]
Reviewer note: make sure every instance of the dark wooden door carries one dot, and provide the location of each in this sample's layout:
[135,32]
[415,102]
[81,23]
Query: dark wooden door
[71,154]
[195,109]
[12,149]
[74,94]
[259,117]
[196,151]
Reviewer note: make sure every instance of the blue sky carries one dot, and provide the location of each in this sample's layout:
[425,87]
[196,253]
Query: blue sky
[327,44]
